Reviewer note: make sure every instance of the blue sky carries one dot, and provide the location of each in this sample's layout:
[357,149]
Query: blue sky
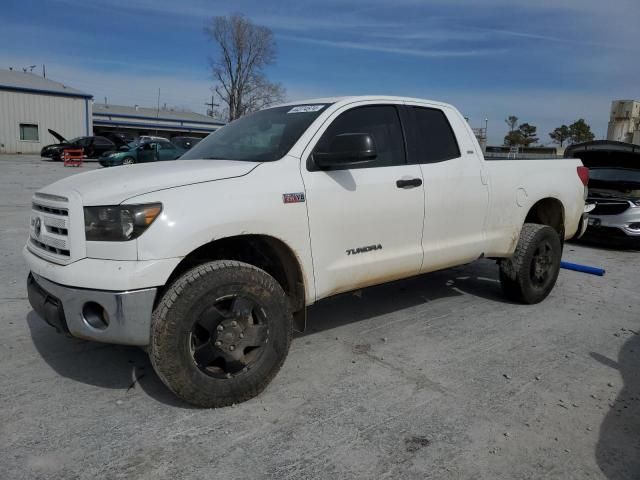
[546,61]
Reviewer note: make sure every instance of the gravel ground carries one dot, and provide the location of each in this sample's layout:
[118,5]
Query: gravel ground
[432,377]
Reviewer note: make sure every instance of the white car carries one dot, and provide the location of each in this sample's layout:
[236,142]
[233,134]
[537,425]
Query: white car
[209,261]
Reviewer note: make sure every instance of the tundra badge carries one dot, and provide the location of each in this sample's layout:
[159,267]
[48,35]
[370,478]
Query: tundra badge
[355,251]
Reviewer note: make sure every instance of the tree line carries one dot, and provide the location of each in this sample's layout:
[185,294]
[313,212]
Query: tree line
[525,134]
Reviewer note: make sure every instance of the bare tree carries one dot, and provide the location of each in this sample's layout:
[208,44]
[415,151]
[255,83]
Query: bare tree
[245,49]
[512,121]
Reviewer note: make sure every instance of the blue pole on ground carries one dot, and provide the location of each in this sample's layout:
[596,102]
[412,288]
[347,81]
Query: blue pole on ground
[582,268]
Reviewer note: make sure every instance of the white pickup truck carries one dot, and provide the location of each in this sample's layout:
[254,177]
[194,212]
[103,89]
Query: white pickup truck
[210,261]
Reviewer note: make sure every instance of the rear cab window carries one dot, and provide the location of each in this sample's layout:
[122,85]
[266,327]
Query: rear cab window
[433,137]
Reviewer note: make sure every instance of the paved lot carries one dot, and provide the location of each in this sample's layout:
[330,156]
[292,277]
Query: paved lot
[433,377]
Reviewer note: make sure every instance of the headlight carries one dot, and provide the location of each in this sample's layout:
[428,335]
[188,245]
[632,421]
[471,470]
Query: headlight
[119,223]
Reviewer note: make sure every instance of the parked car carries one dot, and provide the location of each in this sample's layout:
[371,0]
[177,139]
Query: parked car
[93,147]
[186,142]
[137,152]
[614,189]
[210,261]
[119,138]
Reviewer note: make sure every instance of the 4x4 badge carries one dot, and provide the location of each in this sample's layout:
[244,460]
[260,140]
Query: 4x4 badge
[293,197]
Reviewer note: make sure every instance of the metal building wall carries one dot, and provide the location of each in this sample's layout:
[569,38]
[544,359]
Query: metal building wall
[69,116]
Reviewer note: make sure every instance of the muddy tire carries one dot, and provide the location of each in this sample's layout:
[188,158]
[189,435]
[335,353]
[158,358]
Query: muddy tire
[220,333]
[530,275]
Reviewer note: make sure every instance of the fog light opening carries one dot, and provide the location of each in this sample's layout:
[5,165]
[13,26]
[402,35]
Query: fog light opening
[634,226]
[95,315]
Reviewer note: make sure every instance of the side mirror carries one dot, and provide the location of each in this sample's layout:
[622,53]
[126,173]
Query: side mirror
[347,149]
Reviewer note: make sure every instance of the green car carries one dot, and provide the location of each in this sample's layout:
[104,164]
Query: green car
[154,150]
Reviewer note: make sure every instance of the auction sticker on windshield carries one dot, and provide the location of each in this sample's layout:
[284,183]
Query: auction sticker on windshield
[306,108]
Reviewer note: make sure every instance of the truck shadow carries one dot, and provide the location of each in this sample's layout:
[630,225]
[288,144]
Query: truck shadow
[618,448]
[102,365]
[128,368]
[479,279]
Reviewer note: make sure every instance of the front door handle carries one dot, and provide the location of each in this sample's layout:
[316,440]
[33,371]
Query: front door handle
[409,183]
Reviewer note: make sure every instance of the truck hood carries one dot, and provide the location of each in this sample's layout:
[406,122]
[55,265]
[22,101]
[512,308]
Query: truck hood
[111,186]
[616,193]
[58,137]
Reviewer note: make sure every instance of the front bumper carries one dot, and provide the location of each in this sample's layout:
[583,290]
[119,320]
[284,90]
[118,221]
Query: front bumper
[110,162]
[100,315]
[622,222]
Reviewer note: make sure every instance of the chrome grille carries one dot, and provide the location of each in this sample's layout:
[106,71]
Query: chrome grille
[49,230]
[55,211]
[609,207]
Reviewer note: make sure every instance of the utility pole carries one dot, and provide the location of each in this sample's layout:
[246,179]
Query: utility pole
[486,128]
[158,111]
[212,104]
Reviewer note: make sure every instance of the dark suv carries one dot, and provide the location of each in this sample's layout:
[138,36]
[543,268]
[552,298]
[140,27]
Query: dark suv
[185,142]
[93,146]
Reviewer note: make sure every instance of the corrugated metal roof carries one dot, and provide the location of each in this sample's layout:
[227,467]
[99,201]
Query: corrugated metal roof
[101,109]
[30,82]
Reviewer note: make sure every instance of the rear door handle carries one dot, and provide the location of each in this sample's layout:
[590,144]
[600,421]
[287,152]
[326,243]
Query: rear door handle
[409,183]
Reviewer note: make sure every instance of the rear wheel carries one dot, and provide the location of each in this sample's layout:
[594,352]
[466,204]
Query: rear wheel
[530,275]
[220,333]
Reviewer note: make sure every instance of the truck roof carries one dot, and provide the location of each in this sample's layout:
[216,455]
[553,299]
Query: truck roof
[357,98]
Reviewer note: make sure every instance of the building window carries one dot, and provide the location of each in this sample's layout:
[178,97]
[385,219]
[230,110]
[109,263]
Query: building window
[29,132]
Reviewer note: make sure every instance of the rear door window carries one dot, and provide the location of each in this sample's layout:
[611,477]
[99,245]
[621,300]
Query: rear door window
[434,136]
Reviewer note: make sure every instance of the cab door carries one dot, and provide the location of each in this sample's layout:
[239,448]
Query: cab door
[167,151]
[365,220]
[148,152]
[456,193]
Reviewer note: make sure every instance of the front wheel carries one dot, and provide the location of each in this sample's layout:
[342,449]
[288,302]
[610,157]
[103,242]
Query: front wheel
[220,333]
[530,275]
[128,161]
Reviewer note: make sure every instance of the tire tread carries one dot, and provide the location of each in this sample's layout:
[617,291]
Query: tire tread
[161,354]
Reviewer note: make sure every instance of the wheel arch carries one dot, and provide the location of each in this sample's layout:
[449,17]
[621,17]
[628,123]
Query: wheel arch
[548,211]
[263,251]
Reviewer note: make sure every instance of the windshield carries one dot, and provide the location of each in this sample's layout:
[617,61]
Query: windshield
[262,136]
[620,175]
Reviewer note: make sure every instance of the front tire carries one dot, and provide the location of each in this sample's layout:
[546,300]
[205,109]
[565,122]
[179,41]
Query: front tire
[530,275]
[128,161]
[220,333]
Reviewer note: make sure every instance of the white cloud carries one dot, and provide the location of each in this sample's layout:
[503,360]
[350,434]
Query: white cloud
[426,53]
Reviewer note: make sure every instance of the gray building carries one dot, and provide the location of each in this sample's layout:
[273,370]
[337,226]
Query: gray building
[163,122]
[624,121]
[30,105]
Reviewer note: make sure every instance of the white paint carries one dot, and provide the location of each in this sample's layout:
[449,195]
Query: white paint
[465,207]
